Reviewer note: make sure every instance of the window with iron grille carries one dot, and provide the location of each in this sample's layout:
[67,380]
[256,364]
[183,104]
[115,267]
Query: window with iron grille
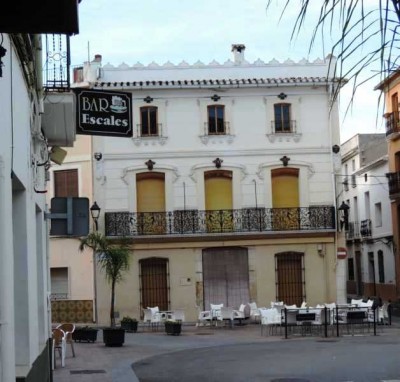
[66,183]
[290,277]
[148,121]
[282,118]
[59,283]
[381,267]
[154,283]
[216,119]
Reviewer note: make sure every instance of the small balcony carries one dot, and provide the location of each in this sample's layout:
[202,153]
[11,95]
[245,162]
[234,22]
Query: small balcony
[196,222]
[353,233]
[283,127]
[392,124]
[394,184]
[366,228]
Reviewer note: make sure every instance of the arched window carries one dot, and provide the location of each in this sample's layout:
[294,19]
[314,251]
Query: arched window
[216,120]
[219,201]
[148,121]
[282,115]
[150,192]
[285,187]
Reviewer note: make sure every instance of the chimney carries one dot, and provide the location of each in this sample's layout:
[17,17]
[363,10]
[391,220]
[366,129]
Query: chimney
[238,53]
[97,58]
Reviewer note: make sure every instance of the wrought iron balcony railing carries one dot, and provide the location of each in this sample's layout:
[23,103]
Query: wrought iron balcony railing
[149,131]
[219,128]
[353,233]
[392,124]
[220,221]
[394,182]
[366,228]
[283,127]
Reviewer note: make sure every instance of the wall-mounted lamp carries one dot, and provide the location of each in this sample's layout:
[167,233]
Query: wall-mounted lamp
[150,164]
[218,162]
[98,156]
[343,212]
[95,213]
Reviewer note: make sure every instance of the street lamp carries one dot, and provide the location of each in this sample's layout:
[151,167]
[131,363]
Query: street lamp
[344,216]
[95,213]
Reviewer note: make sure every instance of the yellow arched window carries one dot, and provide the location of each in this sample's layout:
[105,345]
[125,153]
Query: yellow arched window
[219,204]
[285,188]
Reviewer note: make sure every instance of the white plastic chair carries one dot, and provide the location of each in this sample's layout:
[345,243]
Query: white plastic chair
[59,345]
[216,311]
[270,319]
[178,315]
[383,315]
[227,315]
[203,317]
[254,312]
[68,330]
[152,318]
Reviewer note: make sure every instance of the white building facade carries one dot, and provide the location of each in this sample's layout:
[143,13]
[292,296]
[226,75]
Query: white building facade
[226,189]
[369,237]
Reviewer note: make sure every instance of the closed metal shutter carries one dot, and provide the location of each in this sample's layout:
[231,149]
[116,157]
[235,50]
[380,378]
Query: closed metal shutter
[225,276]
[290,284]
[59,282]
[285,188]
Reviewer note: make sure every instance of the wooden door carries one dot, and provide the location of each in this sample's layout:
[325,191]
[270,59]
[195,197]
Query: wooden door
[225,276]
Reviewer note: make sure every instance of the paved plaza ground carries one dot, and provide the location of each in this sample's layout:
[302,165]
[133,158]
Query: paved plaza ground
[196,354]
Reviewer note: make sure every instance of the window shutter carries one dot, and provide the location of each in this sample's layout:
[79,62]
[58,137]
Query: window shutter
[66,183]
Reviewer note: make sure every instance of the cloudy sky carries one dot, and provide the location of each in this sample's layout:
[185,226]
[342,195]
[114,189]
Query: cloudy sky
[133,31]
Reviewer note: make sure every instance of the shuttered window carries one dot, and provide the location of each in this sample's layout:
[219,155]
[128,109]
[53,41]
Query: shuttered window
[226,276]
[218,190]
[150,188]
[66,183]
[59,282]
[290,284]
[285,188]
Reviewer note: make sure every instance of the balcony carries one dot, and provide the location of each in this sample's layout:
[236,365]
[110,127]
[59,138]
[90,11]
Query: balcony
[195,222]
[283,127]
[394,184]
[366,228]
[392,125]
[353,233]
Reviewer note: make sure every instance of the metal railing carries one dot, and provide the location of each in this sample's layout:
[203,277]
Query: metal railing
[140,134]
[225,130]
[392,124]
[283,127]
[366,228]
[219,221]
[394,182]
[353,233]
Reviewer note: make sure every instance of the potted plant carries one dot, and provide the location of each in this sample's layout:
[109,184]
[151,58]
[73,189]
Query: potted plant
[113,259]
[173,327]
[129,324]
[85,334]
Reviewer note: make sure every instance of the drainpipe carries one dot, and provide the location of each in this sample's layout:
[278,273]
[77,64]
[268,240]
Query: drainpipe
[7,345]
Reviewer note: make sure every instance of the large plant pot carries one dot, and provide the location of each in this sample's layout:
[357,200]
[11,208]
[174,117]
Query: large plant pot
[173,328]
[129,326]
[85,335]
[113,336]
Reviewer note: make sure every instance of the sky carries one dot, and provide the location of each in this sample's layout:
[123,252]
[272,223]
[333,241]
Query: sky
[131,31]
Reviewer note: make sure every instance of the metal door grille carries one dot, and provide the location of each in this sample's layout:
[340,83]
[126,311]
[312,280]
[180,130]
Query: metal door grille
[154,283]
[290,280]
[226,276]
